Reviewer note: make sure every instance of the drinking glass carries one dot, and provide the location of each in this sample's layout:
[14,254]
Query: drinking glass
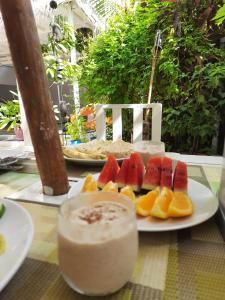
[97,258]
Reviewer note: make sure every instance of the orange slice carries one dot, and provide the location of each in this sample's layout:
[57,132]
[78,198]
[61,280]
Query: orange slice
[161,204]
[180,206]
[110,187]
[128,191]
[145,203]
[90,185]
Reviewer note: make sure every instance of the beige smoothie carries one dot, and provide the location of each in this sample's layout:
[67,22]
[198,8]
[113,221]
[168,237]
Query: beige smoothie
[97,247]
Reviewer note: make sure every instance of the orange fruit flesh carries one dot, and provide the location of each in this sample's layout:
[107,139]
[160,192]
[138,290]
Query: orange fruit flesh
[92,187]
[128,191]
[145,203]
[161,205]
[180,206]
[87,182]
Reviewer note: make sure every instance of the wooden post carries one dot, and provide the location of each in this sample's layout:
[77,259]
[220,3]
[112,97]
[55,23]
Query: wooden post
[27,59]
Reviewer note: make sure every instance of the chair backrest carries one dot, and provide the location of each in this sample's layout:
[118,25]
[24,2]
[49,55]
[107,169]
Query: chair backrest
[156,109]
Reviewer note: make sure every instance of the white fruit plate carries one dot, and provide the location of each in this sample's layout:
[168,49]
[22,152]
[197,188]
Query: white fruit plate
[17,228]
[205,205]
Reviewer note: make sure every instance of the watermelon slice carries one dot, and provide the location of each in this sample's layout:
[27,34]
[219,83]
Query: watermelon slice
[180,179]
[108,172]
[121,176]
[166,172]
[153,174]
[135,172]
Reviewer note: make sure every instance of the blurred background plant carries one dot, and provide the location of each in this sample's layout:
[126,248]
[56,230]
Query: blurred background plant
[76,128]
[190,74]
[10,113]
[56,53]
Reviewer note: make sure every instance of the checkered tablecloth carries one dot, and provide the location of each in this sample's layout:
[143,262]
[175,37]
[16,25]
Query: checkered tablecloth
[186,264]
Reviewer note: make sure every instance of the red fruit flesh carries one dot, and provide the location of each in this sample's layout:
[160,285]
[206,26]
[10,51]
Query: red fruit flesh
[180,179]
[108,172]
[121,176]
[135,172]
[166,172]
[153,174]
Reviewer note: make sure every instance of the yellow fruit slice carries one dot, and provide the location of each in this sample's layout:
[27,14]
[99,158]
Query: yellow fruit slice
[145,203]
[128,191]
[161,205]
[110,187]
[90,185]
[180,206]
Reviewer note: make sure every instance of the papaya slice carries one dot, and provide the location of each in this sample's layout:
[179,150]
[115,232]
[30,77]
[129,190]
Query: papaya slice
[128,191]
[180,206]
[145,203]
[161,204]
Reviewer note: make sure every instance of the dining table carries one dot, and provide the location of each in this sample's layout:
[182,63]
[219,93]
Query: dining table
[182,264]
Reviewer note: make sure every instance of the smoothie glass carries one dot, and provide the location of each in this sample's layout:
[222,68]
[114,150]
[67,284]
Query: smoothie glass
[98,242]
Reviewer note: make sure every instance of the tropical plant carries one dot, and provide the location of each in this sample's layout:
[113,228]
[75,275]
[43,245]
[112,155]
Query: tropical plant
[189,77]
[76,127]
[9,114]
[220,15]
[56,53]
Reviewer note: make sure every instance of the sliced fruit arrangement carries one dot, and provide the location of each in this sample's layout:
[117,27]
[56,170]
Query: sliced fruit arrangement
[161,202]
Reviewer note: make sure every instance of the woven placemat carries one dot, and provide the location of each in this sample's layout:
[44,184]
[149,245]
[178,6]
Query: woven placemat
[187,264]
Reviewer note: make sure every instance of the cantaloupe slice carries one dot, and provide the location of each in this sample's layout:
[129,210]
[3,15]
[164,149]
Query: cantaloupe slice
[145,203]
[110,187]
[128,191]
[161,204]
[90,185]
[180,206]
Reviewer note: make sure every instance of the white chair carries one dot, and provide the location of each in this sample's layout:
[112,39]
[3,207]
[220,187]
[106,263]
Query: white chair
[156,109]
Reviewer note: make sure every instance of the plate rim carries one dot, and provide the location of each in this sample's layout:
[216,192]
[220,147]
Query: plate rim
[6,279]
[140,228]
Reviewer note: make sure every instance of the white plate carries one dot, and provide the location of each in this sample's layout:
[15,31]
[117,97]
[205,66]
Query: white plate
[17,227]
[205,205]
[90,162]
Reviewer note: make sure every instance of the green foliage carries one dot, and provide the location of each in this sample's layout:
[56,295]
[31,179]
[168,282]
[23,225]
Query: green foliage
[76,128]
[189,76]
[9,114]
[61,50]
[220,15]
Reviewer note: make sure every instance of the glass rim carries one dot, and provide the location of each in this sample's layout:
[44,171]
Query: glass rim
[130,204]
